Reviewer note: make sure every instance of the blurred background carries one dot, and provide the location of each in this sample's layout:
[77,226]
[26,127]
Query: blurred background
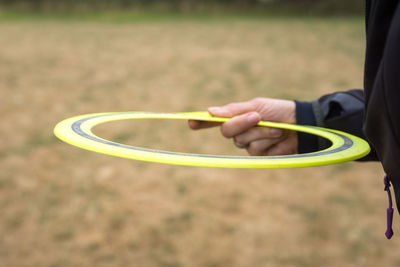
[339,7]
[63,206]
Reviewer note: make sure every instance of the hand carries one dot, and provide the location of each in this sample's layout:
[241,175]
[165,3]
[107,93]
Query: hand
[258,141]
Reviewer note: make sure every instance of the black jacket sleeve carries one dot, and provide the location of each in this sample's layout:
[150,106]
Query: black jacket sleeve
[342,111]
[376,110]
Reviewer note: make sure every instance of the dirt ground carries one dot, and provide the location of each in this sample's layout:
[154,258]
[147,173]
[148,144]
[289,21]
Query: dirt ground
[63,206]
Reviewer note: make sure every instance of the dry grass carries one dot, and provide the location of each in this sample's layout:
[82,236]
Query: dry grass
[61,206]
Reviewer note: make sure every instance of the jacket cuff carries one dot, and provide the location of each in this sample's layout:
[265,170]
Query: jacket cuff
[305,116]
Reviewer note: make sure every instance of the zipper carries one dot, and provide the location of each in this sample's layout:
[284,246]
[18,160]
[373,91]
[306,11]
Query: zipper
[389,210]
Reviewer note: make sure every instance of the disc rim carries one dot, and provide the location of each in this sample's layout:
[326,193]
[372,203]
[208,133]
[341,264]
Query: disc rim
[77,131]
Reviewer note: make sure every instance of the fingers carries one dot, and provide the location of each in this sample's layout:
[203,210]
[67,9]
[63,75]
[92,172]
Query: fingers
[258,140]
[256,133]
[285,145]
[227,111]
[244,119]
[261,146]
[265,141]
[240,124]
[278,110]
[233,109]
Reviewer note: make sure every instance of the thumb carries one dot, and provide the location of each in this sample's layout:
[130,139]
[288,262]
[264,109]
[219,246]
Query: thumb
[233,109]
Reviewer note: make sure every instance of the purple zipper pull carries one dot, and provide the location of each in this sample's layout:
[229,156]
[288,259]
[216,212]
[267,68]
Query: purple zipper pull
[389,211]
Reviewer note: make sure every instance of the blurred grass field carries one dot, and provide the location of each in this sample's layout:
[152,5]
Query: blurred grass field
[62,206]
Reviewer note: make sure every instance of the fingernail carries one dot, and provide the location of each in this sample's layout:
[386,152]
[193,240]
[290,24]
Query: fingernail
[253,118]
[276,132]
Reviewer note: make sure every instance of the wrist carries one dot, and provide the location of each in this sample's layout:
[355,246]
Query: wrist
[292,112]
[305,116]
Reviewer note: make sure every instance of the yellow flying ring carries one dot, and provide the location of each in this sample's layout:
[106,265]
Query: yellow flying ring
[77,131]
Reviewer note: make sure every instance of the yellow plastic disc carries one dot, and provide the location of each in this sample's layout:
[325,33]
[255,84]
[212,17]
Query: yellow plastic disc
[77,131]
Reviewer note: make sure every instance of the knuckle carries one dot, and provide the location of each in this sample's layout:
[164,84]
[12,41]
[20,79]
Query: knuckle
[272,151]
[275,132]
[257,100]
[225,131]
[254,150]
[250,151]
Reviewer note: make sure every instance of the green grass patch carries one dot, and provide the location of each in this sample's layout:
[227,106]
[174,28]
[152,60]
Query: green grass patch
[37,140]
[147,16]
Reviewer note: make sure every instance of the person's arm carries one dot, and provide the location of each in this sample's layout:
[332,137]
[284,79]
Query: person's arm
[342,111]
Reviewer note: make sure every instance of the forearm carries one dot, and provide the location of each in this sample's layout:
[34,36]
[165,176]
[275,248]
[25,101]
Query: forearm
[342,111]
